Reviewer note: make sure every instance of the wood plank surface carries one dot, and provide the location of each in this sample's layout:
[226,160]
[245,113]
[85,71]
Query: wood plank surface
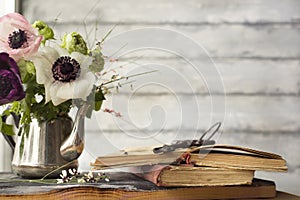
[219,41]
[239,76]
[128,186]
[165,11]
[93,194]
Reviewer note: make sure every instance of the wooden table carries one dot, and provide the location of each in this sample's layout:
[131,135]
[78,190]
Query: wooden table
[121,186]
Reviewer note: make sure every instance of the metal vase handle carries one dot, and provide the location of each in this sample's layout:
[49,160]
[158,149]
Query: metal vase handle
[73,146]
[9,139]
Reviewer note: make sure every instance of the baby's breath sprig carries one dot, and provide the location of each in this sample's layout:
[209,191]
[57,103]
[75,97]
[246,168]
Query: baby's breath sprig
[92,178]
[68,176]
[72,175]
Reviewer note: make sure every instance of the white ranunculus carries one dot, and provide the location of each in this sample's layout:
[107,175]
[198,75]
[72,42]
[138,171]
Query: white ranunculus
[73,79]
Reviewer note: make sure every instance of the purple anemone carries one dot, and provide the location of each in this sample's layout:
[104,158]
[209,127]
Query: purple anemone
[11,88]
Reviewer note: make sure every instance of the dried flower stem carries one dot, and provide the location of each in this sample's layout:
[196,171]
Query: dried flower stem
[59,168]
[127,77]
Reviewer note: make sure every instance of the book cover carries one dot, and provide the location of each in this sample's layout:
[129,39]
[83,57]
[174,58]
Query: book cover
[187,175]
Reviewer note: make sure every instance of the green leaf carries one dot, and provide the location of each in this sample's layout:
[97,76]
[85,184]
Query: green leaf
[98,105]
[16,107]
[98,61]
[7,129]
[99,96]
[1,122]
[27,70]
[6,112]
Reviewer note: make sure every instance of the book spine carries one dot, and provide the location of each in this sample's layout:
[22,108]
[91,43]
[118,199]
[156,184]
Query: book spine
[151,173]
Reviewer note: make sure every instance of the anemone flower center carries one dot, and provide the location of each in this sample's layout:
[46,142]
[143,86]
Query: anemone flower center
[4,91]
[65,69]
[17,39]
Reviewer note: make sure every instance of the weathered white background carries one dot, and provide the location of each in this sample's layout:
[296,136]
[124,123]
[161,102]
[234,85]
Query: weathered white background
[254,43]
[5,151]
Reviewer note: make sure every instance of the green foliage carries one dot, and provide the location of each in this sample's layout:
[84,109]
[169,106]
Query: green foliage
[7,129]
[44,30]
[98,61]
[27,70]
[40,109]
[95,99]
[48,111]
[74,42]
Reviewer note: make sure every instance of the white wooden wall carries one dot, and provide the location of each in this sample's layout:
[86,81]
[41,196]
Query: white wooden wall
[6,6]
[254,43]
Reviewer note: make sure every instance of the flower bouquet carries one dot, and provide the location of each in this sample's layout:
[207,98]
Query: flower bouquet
[44,81]
[42,78]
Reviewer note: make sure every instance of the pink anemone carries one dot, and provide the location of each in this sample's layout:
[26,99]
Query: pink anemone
[17,37]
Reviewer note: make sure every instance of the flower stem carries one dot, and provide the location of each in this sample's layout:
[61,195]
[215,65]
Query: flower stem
[55,170]
[127,77]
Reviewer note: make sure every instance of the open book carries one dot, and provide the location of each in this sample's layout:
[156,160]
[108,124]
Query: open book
[219,156]
[210,165]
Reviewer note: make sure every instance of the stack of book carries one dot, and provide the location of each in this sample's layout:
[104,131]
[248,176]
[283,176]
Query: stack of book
[214,167]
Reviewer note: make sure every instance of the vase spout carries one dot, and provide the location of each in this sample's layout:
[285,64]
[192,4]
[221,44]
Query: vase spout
[73,146]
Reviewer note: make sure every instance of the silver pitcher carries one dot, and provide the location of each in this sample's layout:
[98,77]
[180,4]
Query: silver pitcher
[49,146]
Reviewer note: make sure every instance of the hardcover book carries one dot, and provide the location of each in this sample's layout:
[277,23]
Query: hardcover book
[210,165]
[218,156]
[186,175]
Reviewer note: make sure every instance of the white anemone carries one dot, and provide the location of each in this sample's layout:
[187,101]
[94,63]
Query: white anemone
[57,89]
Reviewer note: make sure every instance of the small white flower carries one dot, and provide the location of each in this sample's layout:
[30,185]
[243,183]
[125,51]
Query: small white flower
[90,175]
[65,76]
[64,177]
[73,172]
[63,174]
[81,180]
[59,181]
